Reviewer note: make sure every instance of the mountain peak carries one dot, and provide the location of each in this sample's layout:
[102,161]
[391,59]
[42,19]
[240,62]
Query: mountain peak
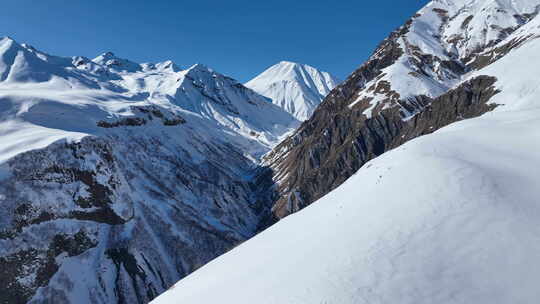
[297,88]
[20,63]
[108,55]
[105,57]
[110,60]
[199,71]
[292,67]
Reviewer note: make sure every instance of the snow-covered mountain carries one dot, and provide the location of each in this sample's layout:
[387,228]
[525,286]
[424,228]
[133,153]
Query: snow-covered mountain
[117,178]
[295,87]
[388,100]
[450,217]
[109,88]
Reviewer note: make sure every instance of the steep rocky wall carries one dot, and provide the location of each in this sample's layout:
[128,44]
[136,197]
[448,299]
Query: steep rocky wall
[117,219]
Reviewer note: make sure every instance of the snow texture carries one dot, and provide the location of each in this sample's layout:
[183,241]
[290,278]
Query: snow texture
[443,32]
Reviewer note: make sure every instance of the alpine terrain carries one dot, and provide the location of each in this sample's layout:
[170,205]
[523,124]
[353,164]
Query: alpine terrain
[117,178]
[413,181]
[297,88]
[449,217]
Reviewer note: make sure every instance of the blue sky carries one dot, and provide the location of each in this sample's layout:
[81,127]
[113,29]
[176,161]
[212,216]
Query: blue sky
[239,38]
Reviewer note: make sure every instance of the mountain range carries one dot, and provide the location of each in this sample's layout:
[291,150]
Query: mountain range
[409,182]
[110,168]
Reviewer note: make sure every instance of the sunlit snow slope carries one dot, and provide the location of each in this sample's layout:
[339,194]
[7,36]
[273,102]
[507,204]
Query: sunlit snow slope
[295,87]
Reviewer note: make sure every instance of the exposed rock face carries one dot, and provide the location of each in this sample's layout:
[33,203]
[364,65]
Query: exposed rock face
[132,223]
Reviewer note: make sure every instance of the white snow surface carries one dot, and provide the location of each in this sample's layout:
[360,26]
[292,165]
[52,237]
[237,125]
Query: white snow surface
[480,23]
[297,88]
[45,98]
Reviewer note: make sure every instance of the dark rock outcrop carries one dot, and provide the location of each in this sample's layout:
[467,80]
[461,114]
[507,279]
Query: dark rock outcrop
[134,223]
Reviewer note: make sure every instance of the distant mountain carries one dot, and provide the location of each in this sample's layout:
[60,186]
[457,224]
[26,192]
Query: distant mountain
[295,87]
[117,178]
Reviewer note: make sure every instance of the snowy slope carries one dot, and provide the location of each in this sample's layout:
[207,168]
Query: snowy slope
[117,179]
[516,60]
[438,46]
[295,87]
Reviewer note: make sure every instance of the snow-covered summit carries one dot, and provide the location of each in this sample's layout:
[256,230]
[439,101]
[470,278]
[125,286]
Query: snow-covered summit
[295,87]
[22,63]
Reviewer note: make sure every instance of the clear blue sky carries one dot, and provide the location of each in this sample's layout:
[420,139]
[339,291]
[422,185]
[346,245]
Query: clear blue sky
[239,38]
